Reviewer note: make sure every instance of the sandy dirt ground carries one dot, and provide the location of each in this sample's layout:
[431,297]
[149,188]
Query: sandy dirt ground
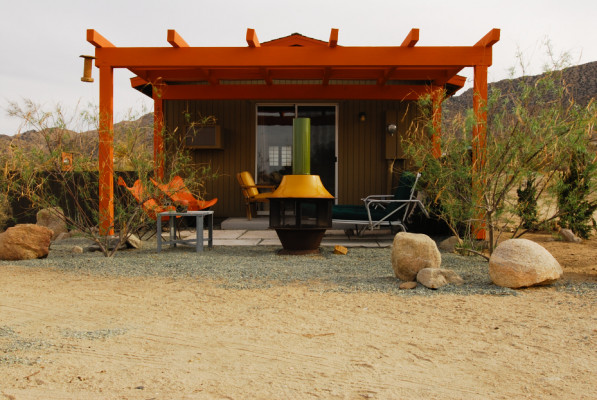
[73,336]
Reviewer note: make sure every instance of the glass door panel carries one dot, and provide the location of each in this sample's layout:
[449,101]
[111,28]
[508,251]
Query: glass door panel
[274,142]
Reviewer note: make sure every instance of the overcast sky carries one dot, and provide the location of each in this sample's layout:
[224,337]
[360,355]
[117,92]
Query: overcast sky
[41,40]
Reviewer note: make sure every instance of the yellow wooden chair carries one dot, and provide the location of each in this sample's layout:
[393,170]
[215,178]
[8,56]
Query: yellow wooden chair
[251,192]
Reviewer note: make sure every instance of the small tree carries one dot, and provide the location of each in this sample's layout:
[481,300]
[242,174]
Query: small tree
[39,174]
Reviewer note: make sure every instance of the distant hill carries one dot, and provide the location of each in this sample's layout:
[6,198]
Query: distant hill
[128,136]
[582,81]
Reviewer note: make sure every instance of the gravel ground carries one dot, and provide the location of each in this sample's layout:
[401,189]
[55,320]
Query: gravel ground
[241,267]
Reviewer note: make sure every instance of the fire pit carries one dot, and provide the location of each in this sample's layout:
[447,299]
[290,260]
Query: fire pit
[301,207]
[300,212]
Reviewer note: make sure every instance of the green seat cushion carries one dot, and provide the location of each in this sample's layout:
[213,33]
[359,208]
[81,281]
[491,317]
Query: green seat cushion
[359,212]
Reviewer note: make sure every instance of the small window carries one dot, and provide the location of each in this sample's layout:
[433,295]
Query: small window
[274,156]
[203,137]
[286,156]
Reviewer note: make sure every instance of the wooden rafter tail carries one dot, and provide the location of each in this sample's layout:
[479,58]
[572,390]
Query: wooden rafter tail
[491,38]
[137,81]
[97,40]
[175,39]
[333,38]
[252,40]
[411,39]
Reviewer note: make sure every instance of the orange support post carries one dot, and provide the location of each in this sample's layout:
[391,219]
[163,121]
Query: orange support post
[437,98]
[158,132]
[106,151]
[479,140]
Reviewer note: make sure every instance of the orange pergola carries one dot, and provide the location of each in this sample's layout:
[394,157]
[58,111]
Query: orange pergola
[291,68]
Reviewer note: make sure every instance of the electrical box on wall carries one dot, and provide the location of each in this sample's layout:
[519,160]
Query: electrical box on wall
[203,137]
[393,136]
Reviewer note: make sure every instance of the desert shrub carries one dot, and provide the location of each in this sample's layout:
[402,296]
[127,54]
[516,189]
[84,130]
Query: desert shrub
[43,180]
[526,207]
[577,183]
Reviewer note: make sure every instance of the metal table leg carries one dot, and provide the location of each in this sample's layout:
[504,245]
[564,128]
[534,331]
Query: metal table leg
[159,233]
[199,228]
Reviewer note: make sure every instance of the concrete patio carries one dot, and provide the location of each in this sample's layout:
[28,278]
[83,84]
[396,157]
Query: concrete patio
[241,232]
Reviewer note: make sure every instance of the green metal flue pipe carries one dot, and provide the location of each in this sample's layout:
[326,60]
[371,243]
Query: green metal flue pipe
[301,146]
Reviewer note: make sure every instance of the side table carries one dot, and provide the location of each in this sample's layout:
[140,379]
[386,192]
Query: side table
[198,241]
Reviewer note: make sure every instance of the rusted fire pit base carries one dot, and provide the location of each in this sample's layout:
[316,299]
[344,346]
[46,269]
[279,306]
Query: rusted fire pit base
[298,241]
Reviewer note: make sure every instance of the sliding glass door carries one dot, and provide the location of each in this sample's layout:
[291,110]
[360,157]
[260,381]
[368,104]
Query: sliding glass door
[274,142]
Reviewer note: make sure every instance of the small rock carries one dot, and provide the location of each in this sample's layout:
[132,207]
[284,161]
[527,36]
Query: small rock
[411,252]
[25,242]
[569,236]
[92,248]
[134,242]
[52,218]
[76,249]
[435,278]
[62,236]
[448,245]
[518,263]
[340,250]
[407,285]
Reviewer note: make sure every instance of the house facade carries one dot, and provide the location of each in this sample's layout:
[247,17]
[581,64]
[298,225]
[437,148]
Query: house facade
[353,95]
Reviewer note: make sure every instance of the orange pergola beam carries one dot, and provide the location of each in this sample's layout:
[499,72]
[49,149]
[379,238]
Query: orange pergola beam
[333,42]
[97,40]
[411,39]
[252,40]
[491,38]
[175,39]
[298,92]
[288,57]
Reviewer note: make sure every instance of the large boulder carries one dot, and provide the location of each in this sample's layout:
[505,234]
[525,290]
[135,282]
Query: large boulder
[435,278]
[24,242]
[411,252]
[518,263]
[52,218]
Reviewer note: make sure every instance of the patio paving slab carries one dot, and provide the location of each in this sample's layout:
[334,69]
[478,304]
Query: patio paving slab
[270,242]
[268,234]
[236,242]
[349,243]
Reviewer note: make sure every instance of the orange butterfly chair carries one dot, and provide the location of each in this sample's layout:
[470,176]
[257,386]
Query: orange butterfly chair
[151,206]
[181,195]
[251,192]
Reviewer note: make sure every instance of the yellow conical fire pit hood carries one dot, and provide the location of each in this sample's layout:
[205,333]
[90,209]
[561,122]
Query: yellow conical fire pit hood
[302,186]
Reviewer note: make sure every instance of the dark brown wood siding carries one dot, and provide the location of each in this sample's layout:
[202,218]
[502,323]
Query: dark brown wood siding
[362,165]
[237,123]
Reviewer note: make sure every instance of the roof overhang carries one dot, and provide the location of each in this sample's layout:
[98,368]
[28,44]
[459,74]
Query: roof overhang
[294,67]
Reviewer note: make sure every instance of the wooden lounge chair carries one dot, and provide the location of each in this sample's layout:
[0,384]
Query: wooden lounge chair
[251,193]
[180,195]
[149,204]
[382,210]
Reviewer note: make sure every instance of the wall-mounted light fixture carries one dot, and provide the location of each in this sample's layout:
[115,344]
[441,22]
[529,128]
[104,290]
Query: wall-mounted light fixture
[362,117]
[67,161]
[87,68]
[391,128]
